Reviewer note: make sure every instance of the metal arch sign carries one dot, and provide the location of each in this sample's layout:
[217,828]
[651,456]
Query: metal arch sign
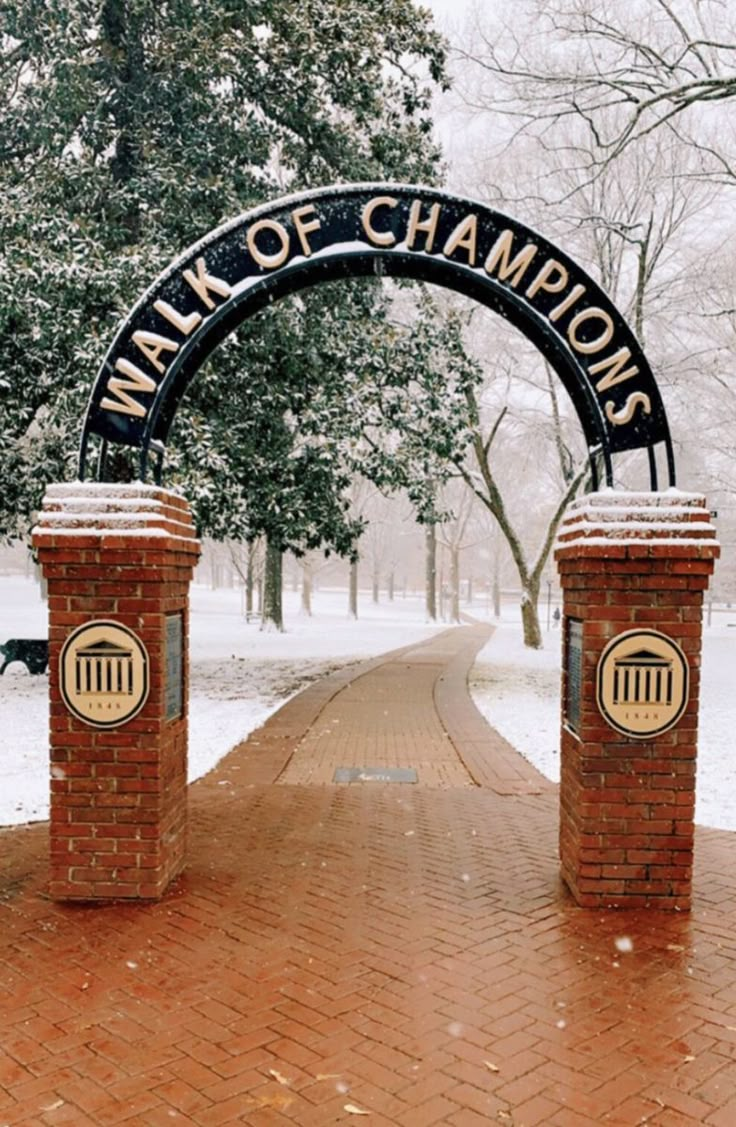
[362,229]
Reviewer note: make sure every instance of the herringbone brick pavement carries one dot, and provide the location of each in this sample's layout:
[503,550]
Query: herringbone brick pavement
[404,951]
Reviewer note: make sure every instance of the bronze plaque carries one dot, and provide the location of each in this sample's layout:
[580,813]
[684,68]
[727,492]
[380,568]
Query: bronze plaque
[574,673]
[643,683]
[104,674]
[174,693]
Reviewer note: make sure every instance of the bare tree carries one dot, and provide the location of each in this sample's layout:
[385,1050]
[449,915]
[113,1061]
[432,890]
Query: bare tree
[626,72]
[247,562]
[478,473]
[456,535]
[571,131]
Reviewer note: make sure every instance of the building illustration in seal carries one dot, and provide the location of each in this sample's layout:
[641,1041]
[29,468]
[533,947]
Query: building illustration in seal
[104,668]
[643,677]
[103,674]
[642,683]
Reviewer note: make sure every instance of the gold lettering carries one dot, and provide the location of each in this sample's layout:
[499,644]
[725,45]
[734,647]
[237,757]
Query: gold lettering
[380,238]
[268,261]
[542,282]
[303,229]
[626,413]
[135,380]
[586,347]
[464,235]
[429,225]
[185,325]
[515,269]
[152,345]
[567,303]
[202,283]
[616,362]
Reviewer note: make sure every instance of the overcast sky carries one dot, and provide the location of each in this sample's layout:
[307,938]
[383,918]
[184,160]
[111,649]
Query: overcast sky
[447,12]
[450,131]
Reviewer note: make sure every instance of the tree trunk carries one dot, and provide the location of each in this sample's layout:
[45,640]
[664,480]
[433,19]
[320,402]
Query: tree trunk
[530,576]
[123,39]
[273,615]
[469,597]
[530,619]
[353,593]
[430,595]
[454,584]
[391,586]
[307,587]
[249,582]
[496,589]
[376,587]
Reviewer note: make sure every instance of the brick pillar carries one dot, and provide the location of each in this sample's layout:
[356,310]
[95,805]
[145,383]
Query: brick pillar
[122,555]
[629,562]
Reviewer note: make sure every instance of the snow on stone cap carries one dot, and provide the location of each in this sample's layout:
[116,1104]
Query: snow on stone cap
[611,515]
[118,489]
[132,508]
[636,501]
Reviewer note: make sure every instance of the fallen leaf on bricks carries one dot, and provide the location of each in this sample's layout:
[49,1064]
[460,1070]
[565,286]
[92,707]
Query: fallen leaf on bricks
[353,1110]
[491,1067]
[277,1076]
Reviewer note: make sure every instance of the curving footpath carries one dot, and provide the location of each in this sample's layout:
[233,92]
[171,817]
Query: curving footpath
[397,949]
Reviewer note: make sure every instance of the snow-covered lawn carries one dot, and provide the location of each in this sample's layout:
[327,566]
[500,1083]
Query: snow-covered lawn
[518,691]
[239,675]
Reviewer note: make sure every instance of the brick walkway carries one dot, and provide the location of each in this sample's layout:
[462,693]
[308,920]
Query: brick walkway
[401,950]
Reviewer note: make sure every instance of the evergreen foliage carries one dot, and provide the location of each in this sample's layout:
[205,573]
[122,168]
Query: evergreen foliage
[350,390]
[132,127]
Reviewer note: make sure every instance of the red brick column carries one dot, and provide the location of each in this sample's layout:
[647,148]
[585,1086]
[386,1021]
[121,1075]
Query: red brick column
[123,553]
[627,804]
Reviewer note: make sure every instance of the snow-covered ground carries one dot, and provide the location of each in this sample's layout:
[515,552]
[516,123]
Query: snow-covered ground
[518,691]
[239,675]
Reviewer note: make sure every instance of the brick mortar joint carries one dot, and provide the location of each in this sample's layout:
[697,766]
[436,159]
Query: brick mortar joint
[707,551]
[155,532]
[49,541]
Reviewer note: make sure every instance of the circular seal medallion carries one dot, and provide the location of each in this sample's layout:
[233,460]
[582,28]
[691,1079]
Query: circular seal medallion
[642,684]
[103,674]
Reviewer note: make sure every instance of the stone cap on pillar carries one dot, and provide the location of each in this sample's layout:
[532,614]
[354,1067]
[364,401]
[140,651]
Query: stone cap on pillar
[131,509]
[618,524]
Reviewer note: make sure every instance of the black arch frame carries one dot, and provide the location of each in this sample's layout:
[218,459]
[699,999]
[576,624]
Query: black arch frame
[361,230]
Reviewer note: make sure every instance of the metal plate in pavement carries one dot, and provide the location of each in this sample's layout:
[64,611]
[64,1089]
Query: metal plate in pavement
[375,775]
